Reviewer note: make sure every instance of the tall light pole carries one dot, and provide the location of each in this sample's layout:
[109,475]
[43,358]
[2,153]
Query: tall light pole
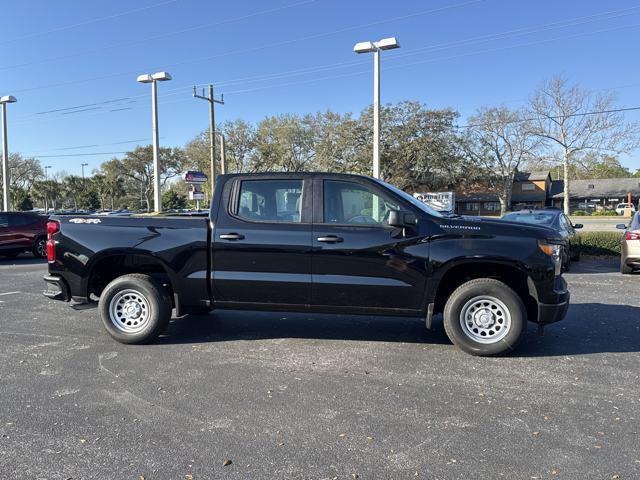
[82,165]
[5,151]
[375,47]
[212,127]
[46,173]
[153,78]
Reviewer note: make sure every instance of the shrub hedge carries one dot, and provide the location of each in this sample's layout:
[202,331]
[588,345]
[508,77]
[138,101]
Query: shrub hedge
[601,244]
[606,213]
[580,213]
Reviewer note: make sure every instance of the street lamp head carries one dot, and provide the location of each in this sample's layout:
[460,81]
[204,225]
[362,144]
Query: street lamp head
[8,99]
[384,44]
[364,47]
[151,77]
[161,76]
[388,43]
[146,78]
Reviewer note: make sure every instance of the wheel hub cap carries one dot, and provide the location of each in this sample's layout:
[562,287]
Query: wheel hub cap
[129,311]
[485,319]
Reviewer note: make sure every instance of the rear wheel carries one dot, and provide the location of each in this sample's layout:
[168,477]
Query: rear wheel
[624,268]
[485,317]
[135,308]
[40,248]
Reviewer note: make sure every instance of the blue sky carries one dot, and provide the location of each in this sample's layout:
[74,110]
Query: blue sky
[73,64]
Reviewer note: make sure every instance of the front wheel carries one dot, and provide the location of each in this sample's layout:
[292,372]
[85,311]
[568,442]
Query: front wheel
[135,308]
[485,317]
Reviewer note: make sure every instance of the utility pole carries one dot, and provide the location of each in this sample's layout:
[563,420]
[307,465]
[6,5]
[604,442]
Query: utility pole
[223,155]
[5,152]
[212,136]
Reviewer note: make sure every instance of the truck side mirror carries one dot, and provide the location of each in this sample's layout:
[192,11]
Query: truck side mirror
[621,226]
[578,226]
[402,218]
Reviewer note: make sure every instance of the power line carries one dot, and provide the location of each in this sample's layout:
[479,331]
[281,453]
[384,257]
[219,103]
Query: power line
[340,64]
[87,22]
[580,114]
[160,36]
[556,117]
[249,50]
[79,154]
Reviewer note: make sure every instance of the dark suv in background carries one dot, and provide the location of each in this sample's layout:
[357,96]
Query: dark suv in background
[23,232]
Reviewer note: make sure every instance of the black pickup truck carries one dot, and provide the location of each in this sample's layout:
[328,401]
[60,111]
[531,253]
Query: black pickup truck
[312,242]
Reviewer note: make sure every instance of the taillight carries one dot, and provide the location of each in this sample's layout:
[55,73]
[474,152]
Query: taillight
[52,227]
[632,235]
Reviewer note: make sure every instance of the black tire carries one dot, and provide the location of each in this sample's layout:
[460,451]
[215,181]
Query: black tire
[624,268]
[476,292]
[39,249]
[147,296]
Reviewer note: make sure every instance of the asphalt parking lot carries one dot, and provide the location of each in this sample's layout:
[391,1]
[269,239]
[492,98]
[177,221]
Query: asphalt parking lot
[317,396]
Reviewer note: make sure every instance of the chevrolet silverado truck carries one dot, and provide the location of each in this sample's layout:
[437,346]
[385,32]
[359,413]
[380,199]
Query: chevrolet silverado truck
[312,242]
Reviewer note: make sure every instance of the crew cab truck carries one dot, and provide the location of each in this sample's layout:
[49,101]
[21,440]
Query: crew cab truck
[313,242]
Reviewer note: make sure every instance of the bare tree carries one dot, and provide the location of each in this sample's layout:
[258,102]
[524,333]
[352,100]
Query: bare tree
[499,141]
[574,121]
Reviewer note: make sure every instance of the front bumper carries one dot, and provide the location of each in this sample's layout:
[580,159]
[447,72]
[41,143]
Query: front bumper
[57,288]
[556,305]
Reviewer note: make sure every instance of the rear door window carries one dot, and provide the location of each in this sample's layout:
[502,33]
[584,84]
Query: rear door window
[270,201]
[3,220]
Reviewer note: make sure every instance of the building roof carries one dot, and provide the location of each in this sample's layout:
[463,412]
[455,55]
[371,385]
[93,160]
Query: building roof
[598,187]
[531,176]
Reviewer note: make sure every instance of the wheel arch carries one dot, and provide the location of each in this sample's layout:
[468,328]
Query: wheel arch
[111,264]
[461,271]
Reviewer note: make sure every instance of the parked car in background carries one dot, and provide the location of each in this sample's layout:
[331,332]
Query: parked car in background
[621,207]
[558,221]
[23,232]
[630,245]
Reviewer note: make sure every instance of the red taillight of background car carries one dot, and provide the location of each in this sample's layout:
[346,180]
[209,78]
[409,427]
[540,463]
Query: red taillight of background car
[52,227]
[632,235]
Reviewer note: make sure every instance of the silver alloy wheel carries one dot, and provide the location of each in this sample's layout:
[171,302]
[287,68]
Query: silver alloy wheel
[485,319]
[129,311]
[41,247]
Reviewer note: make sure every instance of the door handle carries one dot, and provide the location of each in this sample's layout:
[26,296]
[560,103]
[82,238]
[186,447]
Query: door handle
[232,236]
[330,239]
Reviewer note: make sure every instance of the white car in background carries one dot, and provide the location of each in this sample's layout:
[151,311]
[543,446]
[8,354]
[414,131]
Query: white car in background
[621,206]
[630,245]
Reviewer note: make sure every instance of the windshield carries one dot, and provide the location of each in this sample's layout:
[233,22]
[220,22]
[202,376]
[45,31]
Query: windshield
[535,218]
[414,201]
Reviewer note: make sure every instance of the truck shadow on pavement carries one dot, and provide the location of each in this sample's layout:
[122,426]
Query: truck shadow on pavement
[589,328]
[249,325]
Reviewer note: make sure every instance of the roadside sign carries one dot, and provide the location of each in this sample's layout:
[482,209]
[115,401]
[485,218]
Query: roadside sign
[196,195]
[195,177]
[440,201]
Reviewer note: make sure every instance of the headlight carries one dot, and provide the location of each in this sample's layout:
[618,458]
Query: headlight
[555,252]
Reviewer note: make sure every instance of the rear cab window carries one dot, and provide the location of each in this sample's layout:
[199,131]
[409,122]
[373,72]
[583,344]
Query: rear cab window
[278,201]
[3,221]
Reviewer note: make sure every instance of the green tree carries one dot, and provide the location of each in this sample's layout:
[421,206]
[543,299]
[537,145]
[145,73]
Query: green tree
[137,167]
[21,199]
[171,200]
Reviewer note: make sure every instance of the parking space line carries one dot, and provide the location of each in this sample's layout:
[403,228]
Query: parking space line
[8,293]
